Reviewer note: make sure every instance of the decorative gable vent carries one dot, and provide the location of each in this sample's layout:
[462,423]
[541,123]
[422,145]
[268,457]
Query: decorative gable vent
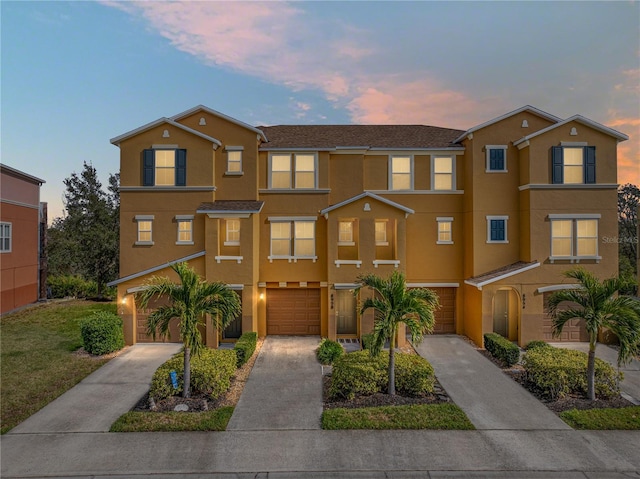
[202,121]
[165,134]
[525,124]
[574,132]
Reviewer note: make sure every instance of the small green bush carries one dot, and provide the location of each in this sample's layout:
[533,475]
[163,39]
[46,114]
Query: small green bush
[71,286]
[501,348]
[557,373]
[245,347]
[366,341]
[537,344]
[211,373]
[361,373]
[102,333]
[328,351]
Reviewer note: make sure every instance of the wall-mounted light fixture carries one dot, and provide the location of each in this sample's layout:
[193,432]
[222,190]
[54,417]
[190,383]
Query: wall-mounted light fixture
[261,296]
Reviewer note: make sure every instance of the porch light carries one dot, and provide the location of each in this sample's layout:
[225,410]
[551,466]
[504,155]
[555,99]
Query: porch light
[261,296]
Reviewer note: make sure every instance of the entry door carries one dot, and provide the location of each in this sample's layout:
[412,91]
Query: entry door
[234,329]
[501,313]
[346,305]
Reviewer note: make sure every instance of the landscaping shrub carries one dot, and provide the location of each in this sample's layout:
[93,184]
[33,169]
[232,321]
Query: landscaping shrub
[366,340]
[556,373]
[102,333]
[71,286]
[361,373]
[211,373]
[328,351]
[501,348]
[537,344]
[245,347]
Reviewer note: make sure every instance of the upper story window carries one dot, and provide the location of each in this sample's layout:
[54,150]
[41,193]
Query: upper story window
[496,158]
[185,229]
[400,173]
[574,238]
[497,229]
[293,171]
[345,233]
[293,239]
[442,173]
[234,160]
[5,237]
[164,167]
[445,235]
[381,233]
[145,229]
[573,164]
[232,234]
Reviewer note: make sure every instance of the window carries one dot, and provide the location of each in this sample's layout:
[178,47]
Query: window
[574,238]
[232,237]
[573,164]
[303,167]
[442,177]
[497,229]
[345,233]
[5,237]
[234,160]
[496,158]
[164,167]
[185,229]
[444,231]
[381,233]
[297,236]
[401,175]
[145,229]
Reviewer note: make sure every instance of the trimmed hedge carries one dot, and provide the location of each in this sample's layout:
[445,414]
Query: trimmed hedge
[557,373]
[328,351]
[537,344]
[501,348]
[102,333]
[211,373]
[71,286]
[245,347]
[361,373]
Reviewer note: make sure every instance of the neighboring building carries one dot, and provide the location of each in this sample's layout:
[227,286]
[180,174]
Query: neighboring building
[289,216]
[20,238]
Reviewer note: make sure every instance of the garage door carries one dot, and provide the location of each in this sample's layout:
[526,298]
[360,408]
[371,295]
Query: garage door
[141,325]
[293,311]
[445,316]
[574,330]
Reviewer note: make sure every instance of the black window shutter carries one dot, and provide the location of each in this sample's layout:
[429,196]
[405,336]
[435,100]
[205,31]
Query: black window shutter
[148,168]
[557,165]
[589,164]
[181,167]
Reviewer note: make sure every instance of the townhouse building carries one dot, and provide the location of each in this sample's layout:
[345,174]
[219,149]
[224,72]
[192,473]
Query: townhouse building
[289,216]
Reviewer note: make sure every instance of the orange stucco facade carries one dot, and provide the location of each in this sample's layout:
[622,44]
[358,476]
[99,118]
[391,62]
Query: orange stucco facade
[272,211]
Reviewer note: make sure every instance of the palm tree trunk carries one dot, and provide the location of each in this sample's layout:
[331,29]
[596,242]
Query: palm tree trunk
[591,371]
[392,364]
[186,391]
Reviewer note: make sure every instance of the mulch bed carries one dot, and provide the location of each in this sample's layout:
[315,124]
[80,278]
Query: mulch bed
[517,373]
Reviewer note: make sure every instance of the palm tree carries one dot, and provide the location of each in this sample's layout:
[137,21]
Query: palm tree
[600,307]
[394,304]
[189,301]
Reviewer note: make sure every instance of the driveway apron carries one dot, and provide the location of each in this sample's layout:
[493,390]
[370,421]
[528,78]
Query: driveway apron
[489,397]
[284,389]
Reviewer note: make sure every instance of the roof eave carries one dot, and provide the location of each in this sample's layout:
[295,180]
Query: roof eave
[119,139]
[211,111]
[580,119]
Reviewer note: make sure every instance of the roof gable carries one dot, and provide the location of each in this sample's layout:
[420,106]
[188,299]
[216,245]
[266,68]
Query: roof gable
[206,109]
[160,121]
[528,108]
[367,194]
[580,119]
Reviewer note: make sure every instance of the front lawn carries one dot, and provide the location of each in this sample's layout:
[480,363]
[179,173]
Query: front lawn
[415,416]
[620,418]
[138,421]
[37,353]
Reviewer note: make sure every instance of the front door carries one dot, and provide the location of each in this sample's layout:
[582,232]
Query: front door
[346,314]
[234,330]
[501,313]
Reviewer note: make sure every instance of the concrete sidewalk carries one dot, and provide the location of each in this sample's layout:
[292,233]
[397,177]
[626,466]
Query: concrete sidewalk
[489,398]
[103,396]
[284,390]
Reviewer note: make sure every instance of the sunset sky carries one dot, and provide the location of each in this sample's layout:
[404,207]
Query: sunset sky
[75,74]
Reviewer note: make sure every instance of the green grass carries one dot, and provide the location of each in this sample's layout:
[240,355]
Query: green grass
[606,418]
[138,421]
[36,353]
[417,416]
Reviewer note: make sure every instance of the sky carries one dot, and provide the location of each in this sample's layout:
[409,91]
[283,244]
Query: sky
[76,74]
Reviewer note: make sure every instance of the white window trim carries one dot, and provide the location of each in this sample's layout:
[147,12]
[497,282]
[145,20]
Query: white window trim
[574,258]
[488,149]
[181,218]
[227,242]
[2,225]
[506,229]
[241,150]
[292,220]
[390,173]
[292,170]
[139,218]
[453,171]
[381,243]
[346,243]
[444,219]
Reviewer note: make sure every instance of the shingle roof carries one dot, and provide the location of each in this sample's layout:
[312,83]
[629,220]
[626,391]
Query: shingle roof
[366,136]
[229,206]
[501,273]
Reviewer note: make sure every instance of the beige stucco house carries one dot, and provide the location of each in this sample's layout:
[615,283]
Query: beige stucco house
[289,216]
